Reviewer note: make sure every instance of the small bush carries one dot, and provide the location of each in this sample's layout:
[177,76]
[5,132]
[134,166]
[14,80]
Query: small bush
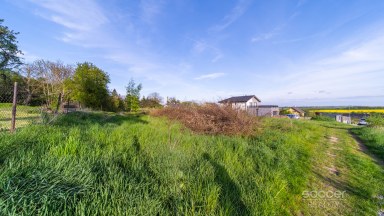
[211,119]
[375,120]
[322,118]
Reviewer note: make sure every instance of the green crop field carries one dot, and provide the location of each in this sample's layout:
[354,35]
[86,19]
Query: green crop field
[107,164]
[343,111]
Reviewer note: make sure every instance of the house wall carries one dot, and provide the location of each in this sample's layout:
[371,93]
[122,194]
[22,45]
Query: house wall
[241,106]
[268,111]
[252,102]
[245,105]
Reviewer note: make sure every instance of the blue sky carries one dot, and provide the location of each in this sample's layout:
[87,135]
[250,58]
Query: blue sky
[292,52]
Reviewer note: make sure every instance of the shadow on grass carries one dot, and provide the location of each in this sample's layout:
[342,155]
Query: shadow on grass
[360,192]
[85,118]
[230,195]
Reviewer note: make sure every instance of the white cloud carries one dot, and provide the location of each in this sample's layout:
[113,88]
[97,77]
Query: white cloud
[210,76]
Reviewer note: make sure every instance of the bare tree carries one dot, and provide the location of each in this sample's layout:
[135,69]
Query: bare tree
[31,79]
[51,76]
[156,97]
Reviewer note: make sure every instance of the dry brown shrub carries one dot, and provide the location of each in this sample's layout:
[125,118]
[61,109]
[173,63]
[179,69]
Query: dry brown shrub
[211,119]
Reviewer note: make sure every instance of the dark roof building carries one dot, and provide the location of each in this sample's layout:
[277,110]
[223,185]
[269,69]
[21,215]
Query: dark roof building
[239,99]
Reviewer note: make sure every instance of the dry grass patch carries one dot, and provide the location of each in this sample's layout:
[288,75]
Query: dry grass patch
[211,119]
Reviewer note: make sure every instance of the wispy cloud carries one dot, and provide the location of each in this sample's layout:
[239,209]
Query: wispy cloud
[300,3]
[266,36]
[80,18]
[275,31]
[356,71]
[262,37]
[201,46]
[210,76]
[150,10]
[240,8]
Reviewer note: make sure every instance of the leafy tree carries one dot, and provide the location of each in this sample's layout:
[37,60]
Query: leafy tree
[132,97]
[285,112]
[89,86]
[7,78]
[9,51]
[117,103]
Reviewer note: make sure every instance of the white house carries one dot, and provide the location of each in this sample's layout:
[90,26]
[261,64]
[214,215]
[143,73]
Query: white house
[242,102]
[250,103]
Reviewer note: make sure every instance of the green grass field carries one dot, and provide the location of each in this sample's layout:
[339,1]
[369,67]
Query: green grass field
[25,115]
[105,164]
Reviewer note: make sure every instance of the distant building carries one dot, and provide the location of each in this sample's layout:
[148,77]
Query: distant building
[242,102]
[250,103]
[268,110]
[297,111]
[343,119]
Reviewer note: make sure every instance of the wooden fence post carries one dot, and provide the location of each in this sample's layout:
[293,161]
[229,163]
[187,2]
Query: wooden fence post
[58,104]
[14,103]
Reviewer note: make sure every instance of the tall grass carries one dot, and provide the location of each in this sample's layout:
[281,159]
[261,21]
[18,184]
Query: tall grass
[373,138]
[100,164]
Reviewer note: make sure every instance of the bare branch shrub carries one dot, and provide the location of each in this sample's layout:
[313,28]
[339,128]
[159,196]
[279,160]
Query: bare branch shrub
[211,119]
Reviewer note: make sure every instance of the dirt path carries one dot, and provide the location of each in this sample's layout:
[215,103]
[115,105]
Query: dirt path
[363,148]
[339,168]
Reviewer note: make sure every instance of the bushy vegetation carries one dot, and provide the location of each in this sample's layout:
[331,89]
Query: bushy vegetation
[375,120]
[322,118]
[211,118]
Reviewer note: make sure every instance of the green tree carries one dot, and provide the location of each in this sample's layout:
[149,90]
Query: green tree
[9,51]
[89,86]
[7,78]
[132,98]
[117,103]
[285,112]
